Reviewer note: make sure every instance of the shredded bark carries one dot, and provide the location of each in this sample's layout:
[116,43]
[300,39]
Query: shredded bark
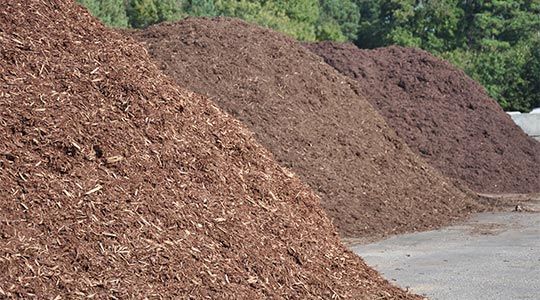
[443,115]
[116,183]
[309,117]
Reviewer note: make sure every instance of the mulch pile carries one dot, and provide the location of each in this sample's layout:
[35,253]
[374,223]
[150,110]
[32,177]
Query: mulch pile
[307,114]
[443,115]
[115,183]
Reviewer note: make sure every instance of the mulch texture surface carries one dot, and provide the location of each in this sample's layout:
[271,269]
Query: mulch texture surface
[308,115]
[116,183]
[443,115]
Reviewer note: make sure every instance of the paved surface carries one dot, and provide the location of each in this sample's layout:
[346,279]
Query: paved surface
[492,256]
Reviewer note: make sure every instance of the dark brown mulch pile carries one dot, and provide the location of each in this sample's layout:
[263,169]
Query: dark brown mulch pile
[443,115]
[115,183]
[308,116]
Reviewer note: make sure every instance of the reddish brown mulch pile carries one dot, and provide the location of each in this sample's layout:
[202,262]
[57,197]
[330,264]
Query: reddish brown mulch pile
[309,117]
[115,183]
[443,115]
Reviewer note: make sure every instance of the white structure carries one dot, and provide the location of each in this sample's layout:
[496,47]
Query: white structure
[530,123]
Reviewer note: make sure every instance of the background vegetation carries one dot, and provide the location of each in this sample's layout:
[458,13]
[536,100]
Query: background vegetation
[497,42]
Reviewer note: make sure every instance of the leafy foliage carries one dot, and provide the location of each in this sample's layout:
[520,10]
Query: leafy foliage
[494,41]
[111,12]
[142,13]
[296,18]
[200,8]
[338,21]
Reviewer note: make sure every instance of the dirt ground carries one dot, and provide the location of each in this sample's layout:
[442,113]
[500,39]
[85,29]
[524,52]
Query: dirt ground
[117,183]
[443,115]
[309,117]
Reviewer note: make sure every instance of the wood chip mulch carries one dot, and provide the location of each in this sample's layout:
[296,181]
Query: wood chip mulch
[443,115]
[116,183]
[306,113]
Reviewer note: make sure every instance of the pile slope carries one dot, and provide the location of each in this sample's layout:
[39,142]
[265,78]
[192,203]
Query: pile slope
[309,117]
[443,115]
[114,183]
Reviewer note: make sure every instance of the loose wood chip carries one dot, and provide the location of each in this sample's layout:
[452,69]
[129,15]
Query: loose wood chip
[95,189]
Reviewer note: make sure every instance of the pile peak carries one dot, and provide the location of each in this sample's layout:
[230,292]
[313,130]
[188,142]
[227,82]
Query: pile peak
[443,115]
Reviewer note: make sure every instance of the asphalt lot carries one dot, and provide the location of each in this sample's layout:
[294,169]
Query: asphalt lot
[490,256]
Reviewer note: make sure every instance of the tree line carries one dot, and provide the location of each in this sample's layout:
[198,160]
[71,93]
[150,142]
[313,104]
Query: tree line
[497,42]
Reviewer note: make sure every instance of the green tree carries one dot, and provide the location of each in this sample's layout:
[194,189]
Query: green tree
[531,74]
[142,13]
[111,12]
[431,25]
[508,21]
[370,25]
[338,21]
[295,18]
[200,8]
[500,70]
[492,40]
[504,37]
[247,10]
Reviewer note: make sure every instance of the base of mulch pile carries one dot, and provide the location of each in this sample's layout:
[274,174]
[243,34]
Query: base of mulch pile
[370,182]
[443,115]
